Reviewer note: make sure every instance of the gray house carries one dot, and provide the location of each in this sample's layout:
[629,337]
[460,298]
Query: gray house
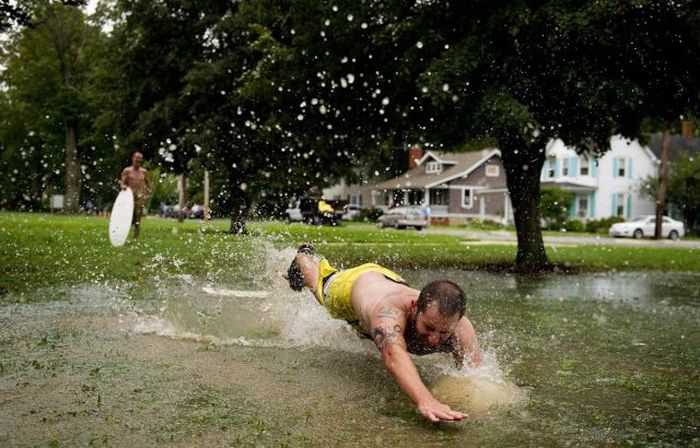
[457,187]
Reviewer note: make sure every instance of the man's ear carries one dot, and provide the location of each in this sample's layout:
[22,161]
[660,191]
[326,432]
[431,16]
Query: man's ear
[414,308]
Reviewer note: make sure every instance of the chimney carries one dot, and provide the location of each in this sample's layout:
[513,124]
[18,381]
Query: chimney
[687,129]
[414,154]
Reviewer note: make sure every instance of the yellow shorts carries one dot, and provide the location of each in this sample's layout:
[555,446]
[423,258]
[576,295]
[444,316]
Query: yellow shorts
[337,297]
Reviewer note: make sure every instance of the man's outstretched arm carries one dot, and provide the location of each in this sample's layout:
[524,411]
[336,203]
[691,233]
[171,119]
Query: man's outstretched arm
[387,333]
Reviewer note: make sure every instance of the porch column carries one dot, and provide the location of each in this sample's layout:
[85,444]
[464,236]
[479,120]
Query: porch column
[482,207]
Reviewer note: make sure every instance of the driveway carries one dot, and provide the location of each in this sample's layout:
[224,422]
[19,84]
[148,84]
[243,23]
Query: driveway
[503,236]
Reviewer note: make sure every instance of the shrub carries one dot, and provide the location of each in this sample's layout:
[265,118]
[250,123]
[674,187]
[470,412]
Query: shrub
[574,225]
[486,224]
[554,207]
[369,214]
[602,225]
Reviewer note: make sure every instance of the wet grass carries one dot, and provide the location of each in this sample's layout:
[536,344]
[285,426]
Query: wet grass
[44,250]
[601,369]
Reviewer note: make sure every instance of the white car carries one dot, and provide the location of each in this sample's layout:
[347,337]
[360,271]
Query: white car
[293,213]
[645,226]
[402,217]
[351,211]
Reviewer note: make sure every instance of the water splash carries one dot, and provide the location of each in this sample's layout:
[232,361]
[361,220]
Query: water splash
[479,391]
[271,316]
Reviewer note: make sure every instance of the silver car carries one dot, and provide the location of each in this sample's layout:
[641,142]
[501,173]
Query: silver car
[402,217]
[645,226]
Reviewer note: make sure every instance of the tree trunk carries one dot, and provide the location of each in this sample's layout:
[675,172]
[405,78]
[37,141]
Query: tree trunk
[73,175]
[239,204]
[663,180]
[183,197]
[523,163]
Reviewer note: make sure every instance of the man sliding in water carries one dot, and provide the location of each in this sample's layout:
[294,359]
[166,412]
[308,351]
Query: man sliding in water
[400,319]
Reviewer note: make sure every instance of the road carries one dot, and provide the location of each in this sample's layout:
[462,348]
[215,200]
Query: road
[503,236]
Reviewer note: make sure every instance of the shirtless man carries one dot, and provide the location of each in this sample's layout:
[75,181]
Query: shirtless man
[400,319]
[134,177]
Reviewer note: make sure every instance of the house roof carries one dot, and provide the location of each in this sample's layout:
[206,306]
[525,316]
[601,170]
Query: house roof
[457,164]
[677,145]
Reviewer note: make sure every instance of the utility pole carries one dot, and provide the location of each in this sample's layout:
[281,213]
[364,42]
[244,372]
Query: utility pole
[207,213]
[661,194]
[181,202]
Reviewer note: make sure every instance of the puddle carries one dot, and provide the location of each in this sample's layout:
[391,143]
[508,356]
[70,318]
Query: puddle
[580,360]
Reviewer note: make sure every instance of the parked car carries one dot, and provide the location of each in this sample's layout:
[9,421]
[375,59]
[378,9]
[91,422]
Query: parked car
[402,217]
[196,212]
[168,211]
[645,226]
[351,211]
[316,211]
[293,213]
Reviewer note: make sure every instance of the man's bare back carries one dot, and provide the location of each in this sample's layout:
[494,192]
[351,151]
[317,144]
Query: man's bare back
[373,294]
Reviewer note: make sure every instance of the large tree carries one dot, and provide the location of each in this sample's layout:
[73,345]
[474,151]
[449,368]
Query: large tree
[142,83]
[46,73]
[521,73]
[261,121]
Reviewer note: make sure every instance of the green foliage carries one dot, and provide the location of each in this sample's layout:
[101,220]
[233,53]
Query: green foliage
[574,225]
[369,214]
[684,189]
[602,225]
[163,188]
[47,71]
[486,224]
[554,207]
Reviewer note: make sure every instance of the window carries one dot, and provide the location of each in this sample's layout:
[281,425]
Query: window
[466,198]
[582,207]
[438,197]
[620,209]
[551,162]
[585,166]
[621,162]
[432,167]
[565,167]
[492,170]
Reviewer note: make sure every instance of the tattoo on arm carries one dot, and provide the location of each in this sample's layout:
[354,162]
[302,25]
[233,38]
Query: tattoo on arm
[387,312]
[385,337]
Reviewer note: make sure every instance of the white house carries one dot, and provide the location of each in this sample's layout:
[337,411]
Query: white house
[602,186]
[459,187]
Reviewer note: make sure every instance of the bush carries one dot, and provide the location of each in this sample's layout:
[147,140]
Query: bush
[369,214]
[602,225]
[486,224]
[574,226]
[554,207]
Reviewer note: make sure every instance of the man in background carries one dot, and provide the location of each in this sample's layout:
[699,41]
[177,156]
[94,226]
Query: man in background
[135,177]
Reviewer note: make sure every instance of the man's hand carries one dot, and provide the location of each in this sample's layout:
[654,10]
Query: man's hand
[437,412]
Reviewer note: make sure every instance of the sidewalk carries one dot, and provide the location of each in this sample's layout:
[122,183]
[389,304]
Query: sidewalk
[500,236]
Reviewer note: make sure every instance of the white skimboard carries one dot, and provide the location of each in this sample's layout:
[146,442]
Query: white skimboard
[122,214]
[236,293]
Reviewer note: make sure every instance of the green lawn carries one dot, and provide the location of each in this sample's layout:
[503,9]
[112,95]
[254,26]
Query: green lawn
[41,250]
